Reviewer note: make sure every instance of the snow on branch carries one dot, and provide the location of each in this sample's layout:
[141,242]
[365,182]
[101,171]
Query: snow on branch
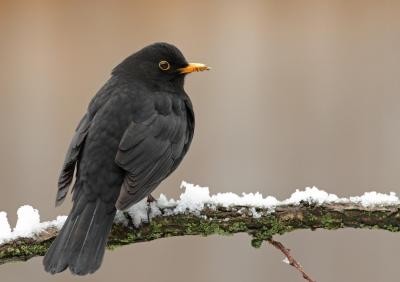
[198,213]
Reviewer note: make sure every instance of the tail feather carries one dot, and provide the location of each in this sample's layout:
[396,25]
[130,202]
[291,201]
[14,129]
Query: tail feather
[82,240]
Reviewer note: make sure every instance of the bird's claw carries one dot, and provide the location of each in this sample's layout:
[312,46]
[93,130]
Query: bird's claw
[150,199]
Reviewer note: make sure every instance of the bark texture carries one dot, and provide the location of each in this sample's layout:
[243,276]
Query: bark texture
[260,224]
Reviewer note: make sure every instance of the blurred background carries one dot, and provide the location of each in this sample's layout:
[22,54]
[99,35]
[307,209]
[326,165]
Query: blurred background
[301,93]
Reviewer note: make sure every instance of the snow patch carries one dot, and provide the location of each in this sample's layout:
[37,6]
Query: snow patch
[310,195]
[163,202]
[369,199]
[28,224]
[253,200]
[120,218]
[5,229]
[57,223]
[193,199]
[138,212]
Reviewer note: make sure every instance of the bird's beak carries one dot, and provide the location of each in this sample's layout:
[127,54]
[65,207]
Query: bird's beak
[193,67]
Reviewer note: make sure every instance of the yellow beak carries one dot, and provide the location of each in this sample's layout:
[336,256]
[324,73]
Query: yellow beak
[193,67]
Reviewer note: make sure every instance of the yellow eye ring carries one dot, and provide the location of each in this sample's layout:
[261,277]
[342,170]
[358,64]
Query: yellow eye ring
[164,65]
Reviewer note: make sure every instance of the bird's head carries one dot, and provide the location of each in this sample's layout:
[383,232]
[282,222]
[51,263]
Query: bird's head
[158,63]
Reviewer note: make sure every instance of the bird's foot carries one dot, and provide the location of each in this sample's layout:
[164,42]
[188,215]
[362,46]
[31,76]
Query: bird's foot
[150,199]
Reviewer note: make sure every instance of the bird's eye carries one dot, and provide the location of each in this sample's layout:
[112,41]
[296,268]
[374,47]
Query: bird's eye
[164,65]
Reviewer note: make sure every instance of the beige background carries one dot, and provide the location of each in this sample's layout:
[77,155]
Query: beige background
[301,93]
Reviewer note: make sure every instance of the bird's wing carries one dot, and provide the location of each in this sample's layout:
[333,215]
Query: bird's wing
[149,151]
[75,147]
[67,171]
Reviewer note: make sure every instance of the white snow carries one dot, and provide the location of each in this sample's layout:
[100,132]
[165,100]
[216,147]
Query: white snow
[5,229]
[57,223]
[375,199]
[253,200]
[193,199]
[163,202]
[28,222]
[310,195]
[120,218]
[286,260]
[138,212]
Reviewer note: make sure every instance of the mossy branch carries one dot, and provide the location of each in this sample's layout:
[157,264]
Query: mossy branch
[259,223]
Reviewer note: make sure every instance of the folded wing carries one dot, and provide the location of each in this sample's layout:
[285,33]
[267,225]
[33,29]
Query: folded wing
[149,151]
[71,159]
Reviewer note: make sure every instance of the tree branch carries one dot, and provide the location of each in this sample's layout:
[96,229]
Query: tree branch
[259,223]
[290,259]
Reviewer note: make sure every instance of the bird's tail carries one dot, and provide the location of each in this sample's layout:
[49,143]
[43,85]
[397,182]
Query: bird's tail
[81,242]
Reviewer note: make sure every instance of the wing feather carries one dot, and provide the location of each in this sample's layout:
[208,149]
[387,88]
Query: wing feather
[147,152]
[71,158]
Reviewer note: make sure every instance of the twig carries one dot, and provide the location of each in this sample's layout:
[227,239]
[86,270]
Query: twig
[292,261]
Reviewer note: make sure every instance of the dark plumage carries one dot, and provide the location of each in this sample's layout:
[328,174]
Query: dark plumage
[135,133]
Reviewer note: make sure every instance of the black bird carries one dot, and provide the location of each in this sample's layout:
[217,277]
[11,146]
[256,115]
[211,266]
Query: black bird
[136,131]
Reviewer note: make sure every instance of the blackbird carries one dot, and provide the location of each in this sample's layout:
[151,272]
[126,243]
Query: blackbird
[135,133]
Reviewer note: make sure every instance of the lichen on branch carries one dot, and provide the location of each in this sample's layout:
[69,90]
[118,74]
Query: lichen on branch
[261,224]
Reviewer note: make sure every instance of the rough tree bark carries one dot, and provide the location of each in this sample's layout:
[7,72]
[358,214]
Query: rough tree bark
[261,226]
